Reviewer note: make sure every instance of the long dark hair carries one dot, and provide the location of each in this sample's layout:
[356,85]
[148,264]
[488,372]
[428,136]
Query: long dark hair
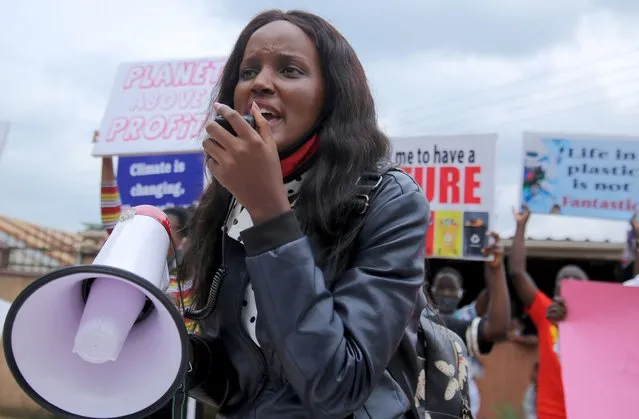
[182,216]
[350,144]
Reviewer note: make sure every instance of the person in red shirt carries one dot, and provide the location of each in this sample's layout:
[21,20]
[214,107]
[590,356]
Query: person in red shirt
[545,313]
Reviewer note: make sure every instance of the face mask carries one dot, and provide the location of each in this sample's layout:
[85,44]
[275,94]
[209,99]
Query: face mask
[446,303]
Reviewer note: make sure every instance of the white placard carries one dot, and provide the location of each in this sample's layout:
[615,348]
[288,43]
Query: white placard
[581,175]
[457,175]
[158,107]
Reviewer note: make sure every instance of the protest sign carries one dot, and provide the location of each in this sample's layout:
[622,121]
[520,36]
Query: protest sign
[158,107]
[599,349]
[457,174]
[163,181]
[581,175]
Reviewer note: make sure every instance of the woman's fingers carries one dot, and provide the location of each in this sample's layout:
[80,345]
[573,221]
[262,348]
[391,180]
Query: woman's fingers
[242,128]
[214,152]
[219,135]
[261,124]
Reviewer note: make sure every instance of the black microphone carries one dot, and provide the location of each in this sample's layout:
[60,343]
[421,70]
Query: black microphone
[227,126]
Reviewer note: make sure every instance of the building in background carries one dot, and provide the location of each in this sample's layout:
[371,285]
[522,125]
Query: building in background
[27,252]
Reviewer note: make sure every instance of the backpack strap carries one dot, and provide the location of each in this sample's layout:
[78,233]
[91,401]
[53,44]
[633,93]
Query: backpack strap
[368,183]
[396,370]
[367,186]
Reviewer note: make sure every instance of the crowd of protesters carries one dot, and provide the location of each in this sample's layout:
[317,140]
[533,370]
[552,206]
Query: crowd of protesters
[481,323]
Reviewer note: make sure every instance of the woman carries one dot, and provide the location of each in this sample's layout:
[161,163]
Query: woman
[479,331]
[314,302]
[545,314]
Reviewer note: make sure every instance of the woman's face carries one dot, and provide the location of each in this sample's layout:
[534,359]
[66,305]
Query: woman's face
[281,72]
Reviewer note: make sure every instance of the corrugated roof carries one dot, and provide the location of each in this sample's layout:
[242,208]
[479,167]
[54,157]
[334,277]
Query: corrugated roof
[563,228]
[34,246]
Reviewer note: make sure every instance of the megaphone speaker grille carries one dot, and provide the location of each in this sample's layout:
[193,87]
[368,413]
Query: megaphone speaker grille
[39,334]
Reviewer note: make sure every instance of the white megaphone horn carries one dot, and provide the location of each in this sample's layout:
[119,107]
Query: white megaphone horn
[102,340]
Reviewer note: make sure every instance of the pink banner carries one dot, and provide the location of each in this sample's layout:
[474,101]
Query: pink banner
[599,349]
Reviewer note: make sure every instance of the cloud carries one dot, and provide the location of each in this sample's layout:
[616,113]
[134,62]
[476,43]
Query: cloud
[60,60]
[435,67]
[587,83]
[393,29]
[596,66]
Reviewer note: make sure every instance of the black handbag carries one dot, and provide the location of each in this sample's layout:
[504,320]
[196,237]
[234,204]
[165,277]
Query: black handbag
[443,381]
[442,387]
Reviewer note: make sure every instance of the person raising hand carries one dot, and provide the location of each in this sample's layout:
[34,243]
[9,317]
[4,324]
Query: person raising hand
[479,333]
[545,314]
[110,201]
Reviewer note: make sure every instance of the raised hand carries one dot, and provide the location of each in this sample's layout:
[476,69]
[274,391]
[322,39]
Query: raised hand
[557,311]
[495,249]
[521,217]
[248,164]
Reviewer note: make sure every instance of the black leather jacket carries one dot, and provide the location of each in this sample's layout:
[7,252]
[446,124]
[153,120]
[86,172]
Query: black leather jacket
[325,342]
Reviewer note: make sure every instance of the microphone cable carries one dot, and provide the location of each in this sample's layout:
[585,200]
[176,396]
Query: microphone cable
[218,277]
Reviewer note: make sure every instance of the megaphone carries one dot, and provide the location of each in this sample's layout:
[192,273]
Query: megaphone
[4,309]
[103,340]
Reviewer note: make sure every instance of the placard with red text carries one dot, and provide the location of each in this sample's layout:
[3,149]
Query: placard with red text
[457,175]
[158,107]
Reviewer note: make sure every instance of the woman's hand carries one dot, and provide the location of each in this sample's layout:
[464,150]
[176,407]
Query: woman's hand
[496,249]
[557,311]
[248,165]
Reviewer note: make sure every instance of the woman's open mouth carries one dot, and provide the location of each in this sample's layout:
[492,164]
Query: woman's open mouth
[268,111]
[271,117]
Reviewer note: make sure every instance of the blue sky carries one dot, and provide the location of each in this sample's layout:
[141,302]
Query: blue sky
[435,67]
